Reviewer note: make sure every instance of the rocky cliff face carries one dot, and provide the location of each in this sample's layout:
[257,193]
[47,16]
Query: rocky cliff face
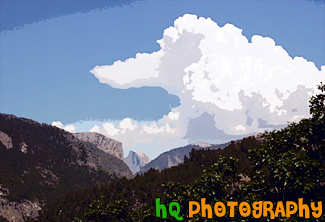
[5,140]
[104,143]
[136,160]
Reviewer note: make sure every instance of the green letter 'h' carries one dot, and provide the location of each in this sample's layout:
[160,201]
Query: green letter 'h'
[160,207]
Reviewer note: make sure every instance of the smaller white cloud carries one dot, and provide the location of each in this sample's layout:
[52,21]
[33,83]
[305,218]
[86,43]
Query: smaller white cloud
[173,116]
[110,129]
[297,118]
[240,127]
[127,124]
[95,129]
[70,128]
[168,129]
[153,128]
[57,124]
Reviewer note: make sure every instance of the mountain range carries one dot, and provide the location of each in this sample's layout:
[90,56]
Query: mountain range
[176,156]
[39,163]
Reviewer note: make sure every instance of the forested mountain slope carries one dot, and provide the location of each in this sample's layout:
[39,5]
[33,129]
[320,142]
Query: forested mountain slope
[39,163]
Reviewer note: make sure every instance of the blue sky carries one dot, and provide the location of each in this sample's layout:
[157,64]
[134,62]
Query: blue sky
[48,49]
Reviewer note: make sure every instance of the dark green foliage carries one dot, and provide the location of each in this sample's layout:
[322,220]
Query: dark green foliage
[217,183]
[3,219]
[290,164]
[317,108]
[49,169]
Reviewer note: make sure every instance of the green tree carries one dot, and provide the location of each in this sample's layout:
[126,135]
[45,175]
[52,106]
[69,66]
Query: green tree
[217,183]
[290,163]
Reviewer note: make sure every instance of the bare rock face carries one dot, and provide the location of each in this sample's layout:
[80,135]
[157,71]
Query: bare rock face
[17,211]
[5,140]
[136,160]
[23,147]
[104,143]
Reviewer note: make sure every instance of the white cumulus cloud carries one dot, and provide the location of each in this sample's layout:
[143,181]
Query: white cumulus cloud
[127,124]
[241,86]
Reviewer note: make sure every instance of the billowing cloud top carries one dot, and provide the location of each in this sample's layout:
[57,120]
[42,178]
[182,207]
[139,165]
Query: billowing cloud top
[227,85]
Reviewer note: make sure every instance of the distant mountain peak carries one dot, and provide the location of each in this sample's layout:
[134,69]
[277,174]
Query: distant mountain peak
[136,160]
[176,156]
[141,154]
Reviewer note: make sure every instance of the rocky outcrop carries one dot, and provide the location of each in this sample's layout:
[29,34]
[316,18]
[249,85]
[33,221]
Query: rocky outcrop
[17,211]
[104,143]
[136,160]
[5,140]
[23,147]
